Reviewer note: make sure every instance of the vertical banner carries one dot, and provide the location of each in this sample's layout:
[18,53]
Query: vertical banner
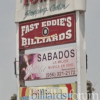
[49,64]
[47,32]
[52,92]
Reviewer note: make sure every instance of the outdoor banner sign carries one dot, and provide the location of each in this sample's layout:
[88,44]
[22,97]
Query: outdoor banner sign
[33,9]
[47,32]
[52,92]
[48,64]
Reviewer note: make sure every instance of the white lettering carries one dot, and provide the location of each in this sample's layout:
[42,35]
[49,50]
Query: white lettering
[62,36]
[62,22]
[48,23]
[31,27]
[24,41]
[69,24]
[39,42]
[43,24]
[68,34]
[55,38]
[22,30]
[53,22]
[48,40]
[27,29]
[36,25]
[58,22]
[28,41]
[32,42]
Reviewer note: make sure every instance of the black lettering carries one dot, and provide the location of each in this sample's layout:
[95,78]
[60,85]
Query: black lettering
[66,54]
[55,56]
[49,56]
[72,53]
[60,54]
[44,57]
[39,57]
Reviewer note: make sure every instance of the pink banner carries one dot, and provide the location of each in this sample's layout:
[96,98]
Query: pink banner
[49,64]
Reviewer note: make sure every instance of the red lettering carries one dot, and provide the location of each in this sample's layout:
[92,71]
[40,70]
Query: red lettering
[25,2]
[32,1]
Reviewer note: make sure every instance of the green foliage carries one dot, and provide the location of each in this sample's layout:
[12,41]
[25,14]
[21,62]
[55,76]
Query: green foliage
[14,97]
[90,89]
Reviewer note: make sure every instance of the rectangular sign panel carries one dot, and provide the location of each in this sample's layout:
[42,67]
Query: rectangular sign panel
[49,64]
[32,9]
[47,32]
[53,92]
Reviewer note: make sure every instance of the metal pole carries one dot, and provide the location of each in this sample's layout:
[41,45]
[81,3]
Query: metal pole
[17,57]
[81,55]
[18,52]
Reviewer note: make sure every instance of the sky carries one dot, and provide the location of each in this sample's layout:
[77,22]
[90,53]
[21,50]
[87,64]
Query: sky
[8,82]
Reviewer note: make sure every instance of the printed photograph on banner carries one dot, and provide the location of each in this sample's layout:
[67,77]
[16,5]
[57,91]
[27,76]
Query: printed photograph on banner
[48,64]
[47,32]
[52,92]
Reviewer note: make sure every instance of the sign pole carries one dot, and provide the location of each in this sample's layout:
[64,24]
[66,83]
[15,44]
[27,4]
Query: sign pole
[17,58]
[19,83]
[81,55]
